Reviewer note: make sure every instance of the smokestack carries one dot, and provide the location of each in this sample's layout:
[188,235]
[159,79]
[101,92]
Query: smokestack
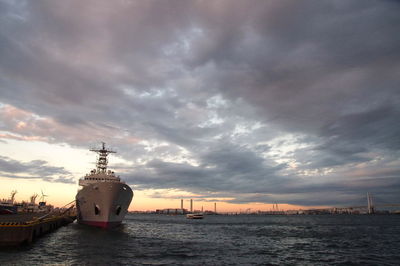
[181,203]
[191,205]
[215,207]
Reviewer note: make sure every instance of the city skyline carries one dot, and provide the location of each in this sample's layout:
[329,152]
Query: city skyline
[243,103]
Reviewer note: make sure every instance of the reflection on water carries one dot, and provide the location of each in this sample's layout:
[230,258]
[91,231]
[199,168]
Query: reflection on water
[220,240]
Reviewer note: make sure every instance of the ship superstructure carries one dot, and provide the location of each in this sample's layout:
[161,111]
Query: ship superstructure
[7,206]
[104,199]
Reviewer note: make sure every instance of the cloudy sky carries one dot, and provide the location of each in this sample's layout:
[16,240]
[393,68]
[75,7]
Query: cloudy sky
[237,102]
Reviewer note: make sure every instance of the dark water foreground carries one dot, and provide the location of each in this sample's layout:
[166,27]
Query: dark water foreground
[221,240]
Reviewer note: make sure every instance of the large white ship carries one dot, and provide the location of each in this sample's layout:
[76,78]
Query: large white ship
[104,199]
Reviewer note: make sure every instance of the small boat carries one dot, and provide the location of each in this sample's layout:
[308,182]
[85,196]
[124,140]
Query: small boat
[194,216]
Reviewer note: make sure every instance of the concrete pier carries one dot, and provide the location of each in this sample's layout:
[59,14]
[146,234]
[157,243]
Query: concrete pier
[17,229]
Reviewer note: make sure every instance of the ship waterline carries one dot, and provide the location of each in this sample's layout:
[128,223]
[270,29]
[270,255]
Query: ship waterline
[104,199]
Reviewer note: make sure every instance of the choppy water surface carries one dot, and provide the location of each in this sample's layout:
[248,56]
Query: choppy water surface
[221,240]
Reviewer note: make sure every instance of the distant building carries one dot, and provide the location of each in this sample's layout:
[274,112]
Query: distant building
[172,211]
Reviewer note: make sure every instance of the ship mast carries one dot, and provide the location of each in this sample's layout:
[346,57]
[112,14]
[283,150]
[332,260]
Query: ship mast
[102,160]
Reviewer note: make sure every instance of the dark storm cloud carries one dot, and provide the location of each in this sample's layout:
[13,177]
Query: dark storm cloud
[239,173]
[317,64]
[223,168]
[277,98]
[36,169]
[377,127]
[385,192]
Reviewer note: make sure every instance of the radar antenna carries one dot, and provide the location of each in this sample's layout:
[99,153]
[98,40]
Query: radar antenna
[102,160]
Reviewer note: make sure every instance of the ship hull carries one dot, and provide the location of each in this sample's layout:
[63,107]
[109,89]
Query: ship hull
[8,209]
[105,225]
[103,204]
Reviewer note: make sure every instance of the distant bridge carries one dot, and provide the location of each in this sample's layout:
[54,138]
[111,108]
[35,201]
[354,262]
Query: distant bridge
[370,207]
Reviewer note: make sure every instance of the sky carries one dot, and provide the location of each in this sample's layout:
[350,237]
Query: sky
[243,103]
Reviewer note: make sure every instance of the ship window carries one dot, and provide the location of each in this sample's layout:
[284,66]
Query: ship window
[124,188]
[96,209]
[118,210]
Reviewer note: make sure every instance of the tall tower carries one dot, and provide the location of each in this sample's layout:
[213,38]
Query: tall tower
[191,205]
[181,203]
[215,207]
[371,208]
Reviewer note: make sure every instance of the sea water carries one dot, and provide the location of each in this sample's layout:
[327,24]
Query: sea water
[150,239]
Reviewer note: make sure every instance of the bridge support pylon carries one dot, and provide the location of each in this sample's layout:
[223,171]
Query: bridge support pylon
[371,209]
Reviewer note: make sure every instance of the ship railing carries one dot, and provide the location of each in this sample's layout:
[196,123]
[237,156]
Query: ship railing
[53,212]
